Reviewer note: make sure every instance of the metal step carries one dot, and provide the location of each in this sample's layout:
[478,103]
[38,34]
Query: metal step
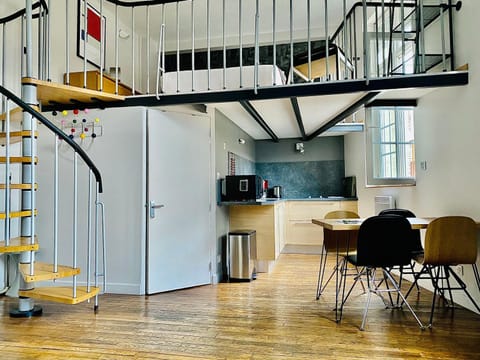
[44,271]
[61,294]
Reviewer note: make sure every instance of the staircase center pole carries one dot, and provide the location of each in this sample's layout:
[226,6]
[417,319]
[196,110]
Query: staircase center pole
[26,307]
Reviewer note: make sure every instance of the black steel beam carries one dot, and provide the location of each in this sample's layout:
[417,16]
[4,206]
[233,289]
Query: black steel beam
[392,102]
[298,116]
[444,79]
[347,112]
[258,118]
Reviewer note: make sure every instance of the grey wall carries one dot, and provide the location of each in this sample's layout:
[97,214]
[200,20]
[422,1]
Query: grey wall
[318,171]
[226,140]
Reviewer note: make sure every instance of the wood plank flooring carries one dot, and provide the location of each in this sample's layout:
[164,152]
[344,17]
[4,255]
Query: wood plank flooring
[274,317]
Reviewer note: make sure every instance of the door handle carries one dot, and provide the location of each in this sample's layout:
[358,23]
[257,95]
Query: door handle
[153,206]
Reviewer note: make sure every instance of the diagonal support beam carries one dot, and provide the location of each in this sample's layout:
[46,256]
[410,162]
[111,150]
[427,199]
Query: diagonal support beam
[345,113]
[298,116]
[258,118]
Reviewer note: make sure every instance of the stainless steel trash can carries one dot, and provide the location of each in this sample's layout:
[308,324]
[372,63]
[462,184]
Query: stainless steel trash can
[242,253]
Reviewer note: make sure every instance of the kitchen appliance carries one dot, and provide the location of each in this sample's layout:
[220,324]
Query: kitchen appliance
[350,187]
[275,192]
[243,188]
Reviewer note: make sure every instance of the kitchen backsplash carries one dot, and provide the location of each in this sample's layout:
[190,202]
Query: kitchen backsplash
[305,178]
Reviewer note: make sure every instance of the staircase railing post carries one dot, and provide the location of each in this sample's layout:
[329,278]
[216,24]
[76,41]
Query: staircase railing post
[7,175]
[327,44]
[366,59]
[75,221]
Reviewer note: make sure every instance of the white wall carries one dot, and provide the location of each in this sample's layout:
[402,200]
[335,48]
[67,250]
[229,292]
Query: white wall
[120,156]
[447,132]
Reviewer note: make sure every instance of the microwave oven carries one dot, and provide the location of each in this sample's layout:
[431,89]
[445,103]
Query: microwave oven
[242,188]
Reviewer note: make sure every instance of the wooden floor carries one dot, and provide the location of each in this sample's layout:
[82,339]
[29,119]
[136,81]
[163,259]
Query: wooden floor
[274,317]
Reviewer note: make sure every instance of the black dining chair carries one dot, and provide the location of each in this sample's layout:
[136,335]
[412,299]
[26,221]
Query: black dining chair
[415,238]
[383,242]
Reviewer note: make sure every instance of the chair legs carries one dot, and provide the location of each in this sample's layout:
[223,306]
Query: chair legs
[440,277]
[444,273]
[373,287]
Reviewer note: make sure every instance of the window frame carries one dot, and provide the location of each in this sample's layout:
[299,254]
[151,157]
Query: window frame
[373,153]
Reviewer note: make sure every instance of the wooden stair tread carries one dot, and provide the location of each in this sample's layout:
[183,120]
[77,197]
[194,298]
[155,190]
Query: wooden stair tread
[61,294]
[18,186]
[18,159]
[19,244]
[44,271]
[16,114]
[15,136]
[17,214]
[49,93]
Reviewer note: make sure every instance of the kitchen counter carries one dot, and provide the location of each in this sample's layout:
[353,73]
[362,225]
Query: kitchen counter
[273,201]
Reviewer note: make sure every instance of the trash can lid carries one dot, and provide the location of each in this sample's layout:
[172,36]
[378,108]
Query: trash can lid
[242,232]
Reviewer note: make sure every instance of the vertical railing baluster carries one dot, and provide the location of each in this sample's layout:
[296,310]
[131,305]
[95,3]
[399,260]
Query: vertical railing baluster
[274,40]
[240,37]
[383,39]
[7,174]
[209,65]
[32,189]
[23,66]
[55,207]
[39,44]
[75,220]
[402,24]
[4,99]
[89,230]
[102,46]
[67,43]
[291,42]
[422,38]
[133,50]
[177,17]
[49,45]
[309,41]
[327,44]
[192,20]
[116,49]
[224,46]
[345,47]
[366,65]
[442,31]
[256,54]
[355,48]
[377,41]
[84,42]
[148,49]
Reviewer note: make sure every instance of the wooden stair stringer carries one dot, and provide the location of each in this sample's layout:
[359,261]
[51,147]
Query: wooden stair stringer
[44,271]
[61,294]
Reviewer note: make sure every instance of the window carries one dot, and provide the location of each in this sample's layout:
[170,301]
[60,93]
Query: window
[390,146]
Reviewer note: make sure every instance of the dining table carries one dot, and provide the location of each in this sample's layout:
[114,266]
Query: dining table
[349,225]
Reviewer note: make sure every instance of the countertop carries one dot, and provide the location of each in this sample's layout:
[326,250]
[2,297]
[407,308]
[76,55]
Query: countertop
[273,201]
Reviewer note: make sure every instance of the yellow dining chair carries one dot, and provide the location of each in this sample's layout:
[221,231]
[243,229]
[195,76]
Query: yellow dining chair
[345,242]
[449,241]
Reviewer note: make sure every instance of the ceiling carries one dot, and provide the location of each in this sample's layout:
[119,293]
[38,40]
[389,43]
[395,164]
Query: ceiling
[316,111]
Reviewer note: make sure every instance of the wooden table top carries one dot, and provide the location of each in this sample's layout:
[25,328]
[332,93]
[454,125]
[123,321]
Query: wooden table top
[354,224]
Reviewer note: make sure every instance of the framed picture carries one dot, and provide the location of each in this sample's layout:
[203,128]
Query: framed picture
[91,34]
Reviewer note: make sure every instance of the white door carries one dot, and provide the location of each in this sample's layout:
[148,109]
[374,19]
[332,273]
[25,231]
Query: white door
[178,229]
